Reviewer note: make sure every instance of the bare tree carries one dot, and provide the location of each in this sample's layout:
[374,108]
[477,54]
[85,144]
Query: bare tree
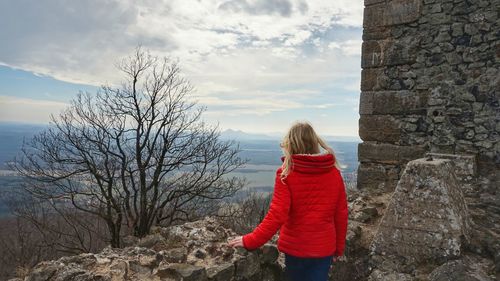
[137,155]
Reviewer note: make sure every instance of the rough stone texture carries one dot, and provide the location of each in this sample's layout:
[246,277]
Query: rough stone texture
[430,83]
[182,271]
[221,272]
[169,254]
[378,275]
[392,102]
[466,165]
[426,220]
[465,269]
[379,128]
[378,176]
[370,151]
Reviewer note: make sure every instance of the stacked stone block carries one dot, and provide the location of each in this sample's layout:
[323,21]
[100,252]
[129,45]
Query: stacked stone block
[430,83]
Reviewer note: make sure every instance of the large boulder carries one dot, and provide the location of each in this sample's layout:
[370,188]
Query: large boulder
[426,220]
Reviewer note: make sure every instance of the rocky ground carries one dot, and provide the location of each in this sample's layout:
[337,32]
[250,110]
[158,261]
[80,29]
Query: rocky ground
[193,251]
[421,231]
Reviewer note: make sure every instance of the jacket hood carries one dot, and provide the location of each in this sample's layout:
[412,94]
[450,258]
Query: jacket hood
[312,163]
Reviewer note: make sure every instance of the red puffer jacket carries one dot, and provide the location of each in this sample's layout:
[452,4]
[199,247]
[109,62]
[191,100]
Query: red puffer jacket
[309,209]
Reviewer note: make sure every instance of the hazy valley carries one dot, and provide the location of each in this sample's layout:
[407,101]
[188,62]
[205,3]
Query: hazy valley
[262,152]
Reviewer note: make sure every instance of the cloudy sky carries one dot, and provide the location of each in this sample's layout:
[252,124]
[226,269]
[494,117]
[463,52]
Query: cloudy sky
[257,65]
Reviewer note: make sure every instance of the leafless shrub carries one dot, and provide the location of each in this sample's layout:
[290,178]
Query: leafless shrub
[245,214]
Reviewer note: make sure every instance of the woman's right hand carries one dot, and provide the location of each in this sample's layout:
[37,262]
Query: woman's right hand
[338,258]
[236,242]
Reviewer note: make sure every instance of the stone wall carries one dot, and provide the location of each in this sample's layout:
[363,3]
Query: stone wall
[431,83]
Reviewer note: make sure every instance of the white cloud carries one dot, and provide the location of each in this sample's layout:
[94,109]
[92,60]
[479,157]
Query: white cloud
[80,47]
[354,87]
[258,106]
[324,105]
[348,47]
[297,38]
[233,51]
[28,110]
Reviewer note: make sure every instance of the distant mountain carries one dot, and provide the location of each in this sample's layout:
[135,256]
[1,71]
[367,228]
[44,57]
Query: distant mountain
[241,135]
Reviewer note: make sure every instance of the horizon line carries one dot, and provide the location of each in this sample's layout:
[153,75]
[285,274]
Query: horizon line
[269,134]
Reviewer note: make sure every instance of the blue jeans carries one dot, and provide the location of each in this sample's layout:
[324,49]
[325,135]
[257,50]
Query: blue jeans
[307,269]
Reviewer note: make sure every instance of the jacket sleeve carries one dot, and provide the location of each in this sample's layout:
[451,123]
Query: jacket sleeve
[341,217]
[274,219]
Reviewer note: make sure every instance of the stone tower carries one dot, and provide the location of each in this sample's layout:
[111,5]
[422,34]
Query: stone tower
[431,83]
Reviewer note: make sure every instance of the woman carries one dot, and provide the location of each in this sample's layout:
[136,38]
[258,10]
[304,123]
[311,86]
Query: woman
[309,207]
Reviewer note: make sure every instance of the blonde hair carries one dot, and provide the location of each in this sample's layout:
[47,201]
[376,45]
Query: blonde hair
[302,139]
